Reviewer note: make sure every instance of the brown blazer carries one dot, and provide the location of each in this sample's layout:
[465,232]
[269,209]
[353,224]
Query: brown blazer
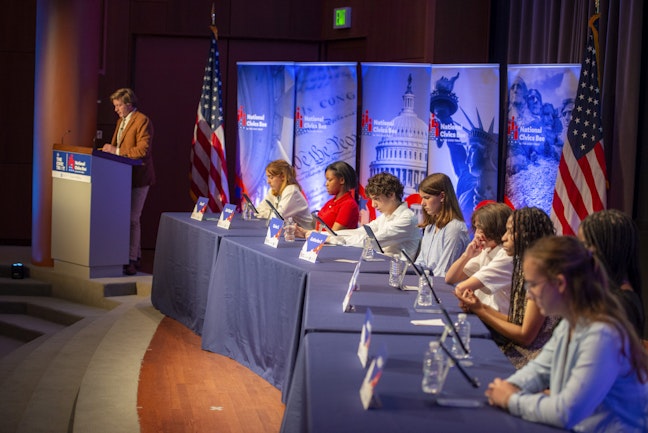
[136,143]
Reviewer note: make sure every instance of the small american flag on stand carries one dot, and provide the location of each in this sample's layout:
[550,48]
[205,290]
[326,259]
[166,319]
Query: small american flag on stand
[208,164]
[581,183]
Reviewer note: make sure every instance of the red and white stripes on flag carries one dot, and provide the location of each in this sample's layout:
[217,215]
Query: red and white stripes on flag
[208,162]
[581,183]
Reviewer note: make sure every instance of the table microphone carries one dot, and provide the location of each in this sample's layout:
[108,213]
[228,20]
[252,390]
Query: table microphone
[274,209]
[438,301]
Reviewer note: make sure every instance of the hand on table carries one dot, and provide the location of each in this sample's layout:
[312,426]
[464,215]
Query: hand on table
[499,391]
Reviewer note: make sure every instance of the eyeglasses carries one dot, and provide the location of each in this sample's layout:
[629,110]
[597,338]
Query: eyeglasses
[528,285]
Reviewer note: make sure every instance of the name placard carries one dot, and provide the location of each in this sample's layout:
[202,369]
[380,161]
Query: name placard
[200,209]
[368,394]
[313,246]
[226,216]
[365,338]
[274,232]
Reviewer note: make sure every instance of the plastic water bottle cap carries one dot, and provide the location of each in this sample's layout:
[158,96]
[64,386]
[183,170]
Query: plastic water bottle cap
[434,345]
[462,316]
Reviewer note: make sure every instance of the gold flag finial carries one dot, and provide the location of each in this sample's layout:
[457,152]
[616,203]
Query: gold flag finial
[213,27]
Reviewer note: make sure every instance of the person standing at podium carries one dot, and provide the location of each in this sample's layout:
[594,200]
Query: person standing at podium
[132,138]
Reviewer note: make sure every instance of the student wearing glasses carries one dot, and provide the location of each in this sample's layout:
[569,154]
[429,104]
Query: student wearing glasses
[592,374]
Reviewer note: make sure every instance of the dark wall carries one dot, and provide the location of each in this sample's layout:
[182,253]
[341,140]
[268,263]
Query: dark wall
[17,36]
[159,48]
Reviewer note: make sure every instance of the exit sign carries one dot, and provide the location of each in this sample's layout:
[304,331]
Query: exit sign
[342,18]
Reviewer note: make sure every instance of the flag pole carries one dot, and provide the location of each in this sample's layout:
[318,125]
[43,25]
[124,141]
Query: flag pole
[213,27]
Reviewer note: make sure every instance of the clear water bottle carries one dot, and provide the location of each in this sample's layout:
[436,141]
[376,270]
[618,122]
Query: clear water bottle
[462,326]
[424,298]
[289,230]
[435,369]
[248,213]
[368,252]
[395,271]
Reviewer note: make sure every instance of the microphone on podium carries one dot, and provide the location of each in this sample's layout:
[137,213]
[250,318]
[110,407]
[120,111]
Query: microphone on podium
[64,134]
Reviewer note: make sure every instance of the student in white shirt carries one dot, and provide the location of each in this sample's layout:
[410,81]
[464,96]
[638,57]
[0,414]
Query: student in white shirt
[592,375]
[395,228]
[485,267]
[445,235]
[285,194]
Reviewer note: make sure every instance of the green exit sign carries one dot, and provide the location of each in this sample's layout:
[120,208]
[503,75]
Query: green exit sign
[342,18]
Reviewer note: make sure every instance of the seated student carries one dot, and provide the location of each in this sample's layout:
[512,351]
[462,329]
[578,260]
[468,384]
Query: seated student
[445,235]
[524,330]
[285,194]
[396,227]
[485,267]
[341,212]
[613,236]
[594,366]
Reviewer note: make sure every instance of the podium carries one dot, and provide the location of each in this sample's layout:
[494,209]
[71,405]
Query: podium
[91,196]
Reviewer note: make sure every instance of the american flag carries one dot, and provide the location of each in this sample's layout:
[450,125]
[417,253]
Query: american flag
[208,165]
[582,179]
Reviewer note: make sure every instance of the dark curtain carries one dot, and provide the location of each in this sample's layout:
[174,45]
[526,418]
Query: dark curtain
[555,31]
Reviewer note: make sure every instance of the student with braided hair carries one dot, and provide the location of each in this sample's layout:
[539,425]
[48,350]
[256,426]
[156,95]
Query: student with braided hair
[524,330]
[614,237]
[592,375]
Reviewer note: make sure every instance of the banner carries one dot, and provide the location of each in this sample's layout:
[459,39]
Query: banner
[540,102]
[266,101]
[326,100]
[464,107]
[394,119]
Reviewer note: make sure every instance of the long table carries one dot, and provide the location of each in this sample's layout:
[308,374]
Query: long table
[325,397]
[392,308]
[255,298]
[281,317]
[185,252]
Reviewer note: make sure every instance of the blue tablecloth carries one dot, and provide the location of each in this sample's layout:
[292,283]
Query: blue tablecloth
[392,308]
[255,300]
[185,252]
[324,395]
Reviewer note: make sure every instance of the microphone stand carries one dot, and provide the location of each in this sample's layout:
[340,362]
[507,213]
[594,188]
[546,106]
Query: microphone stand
[438,301]
[274,209]
[472,380]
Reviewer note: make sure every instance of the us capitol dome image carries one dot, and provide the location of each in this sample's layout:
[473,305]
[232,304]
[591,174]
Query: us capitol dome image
[404,153]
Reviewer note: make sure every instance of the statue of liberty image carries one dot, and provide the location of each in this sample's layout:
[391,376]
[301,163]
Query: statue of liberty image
[481,165]
[443,104]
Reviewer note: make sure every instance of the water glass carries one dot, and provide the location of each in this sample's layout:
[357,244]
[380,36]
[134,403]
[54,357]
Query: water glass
[368,252]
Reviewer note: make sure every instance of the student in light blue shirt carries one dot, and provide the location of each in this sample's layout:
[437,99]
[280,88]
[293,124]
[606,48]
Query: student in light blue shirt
[592,375]
[445,235]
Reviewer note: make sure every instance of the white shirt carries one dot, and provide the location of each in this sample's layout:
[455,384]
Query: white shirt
[493,268]
[122,127]
[291,203]
[440,249]
[394,232]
